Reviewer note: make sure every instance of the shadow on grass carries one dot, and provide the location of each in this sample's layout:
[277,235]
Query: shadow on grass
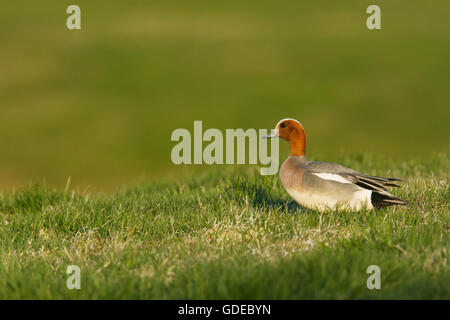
[264,200]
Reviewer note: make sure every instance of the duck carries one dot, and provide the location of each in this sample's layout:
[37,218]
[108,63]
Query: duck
[325,186]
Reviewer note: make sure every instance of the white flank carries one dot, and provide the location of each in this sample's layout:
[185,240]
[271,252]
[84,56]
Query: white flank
[359,200]
[331,177]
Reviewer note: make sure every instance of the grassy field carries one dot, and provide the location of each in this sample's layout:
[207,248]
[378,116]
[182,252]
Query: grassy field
[232,234]
[99,105]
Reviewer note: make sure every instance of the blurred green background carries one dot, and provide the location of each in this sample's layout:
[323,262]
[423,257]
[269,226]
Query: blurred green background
[99,104]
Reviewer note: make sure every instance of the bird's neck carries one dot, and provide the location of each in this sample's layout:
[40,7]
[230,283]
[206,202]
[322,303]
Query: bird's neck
[297,141]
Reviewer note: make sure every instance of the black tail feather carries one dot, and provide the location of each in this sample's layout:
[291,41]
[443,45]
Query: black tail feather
[380,200]
[382,179]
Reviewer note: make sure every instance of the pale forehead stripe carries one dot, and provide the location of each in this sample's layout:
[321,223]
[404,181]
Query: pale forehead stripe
[289,119]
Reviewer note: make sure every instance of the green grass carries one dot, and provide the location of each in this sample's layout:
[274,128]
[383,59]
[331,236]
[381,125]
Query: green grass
[99,105]
[228,235]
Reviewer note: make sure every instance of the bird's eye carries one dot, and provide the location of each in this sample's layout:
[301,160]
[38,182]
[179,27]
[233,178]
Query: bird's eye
[283,125]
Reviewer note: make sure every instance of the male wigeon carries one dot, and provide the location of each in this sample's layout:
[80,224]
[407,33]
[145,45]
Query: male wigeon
[327,186]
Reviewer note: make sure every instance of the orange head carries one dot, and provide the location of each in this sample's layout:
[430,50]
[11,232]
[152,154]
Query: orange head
[292,131]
